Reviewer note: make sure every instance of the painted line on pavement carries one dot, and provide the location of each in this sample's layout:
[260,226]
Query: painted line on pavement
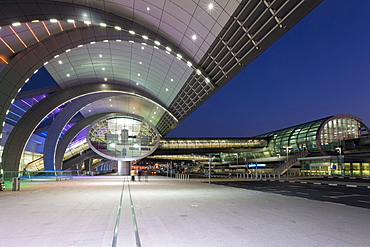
[333,184]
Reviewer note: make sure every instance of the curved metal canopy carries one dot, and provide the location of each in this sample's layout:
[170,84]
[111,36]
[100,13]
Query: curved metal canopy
[172,54]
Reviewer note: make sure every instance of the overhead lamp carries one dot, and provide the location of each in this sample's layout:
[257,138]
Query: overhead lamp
[92,42]
[102,68]
[87,22]
[157,42]
[137,84]
[131,41]
[46,63]
[198,72]
[68,75]
[118,28]
[193,37]
[156,47]
[118,40]
[145,37]
[35,21]
[56,56]
[100,55]
[105,79]
[171,79]
[179,56]
[142,48]
[80,46]
[140,62]
[166,89]
[26,80]
[35,71]
[168,49]
[210,6]
[70,21]
[68,50]
[148,8]
[16,24]
[103,24]
[207,80]
[138,74]
[143,43]
[53,20]
[188,63]
[60,62]
[105,40]
[131,32]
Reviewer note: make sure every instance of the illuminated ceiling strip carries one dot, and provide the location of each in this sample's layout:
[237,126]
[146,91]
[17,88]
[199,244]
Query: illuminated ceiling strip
[47,30]
[19,108]
[34,35]
[60,25]
[26,103]
[7,45]
[3,60]
[18,37]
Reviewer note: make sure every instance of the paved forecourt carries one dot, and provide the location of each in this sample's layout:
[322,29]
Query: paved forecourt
[83,211]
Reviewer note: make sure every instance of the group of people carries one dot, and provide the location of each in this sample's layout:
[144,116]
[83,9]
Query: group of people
[139,173]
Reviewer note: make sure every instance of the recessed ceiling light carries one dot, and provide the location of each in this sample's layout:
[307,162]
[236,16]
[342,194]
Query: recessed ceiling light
[70,21]
[131,32]
[34,21]
[105,40]
[117,28]
[118,40]
[131,41]
[142,48]
[103,24]
[210,6]
[157,42]
[87,22]
[53,20]
[145,37]
[189,63]
[80,46]
[56,56]
[171,79]
[105,79]
[89,110]
[60,62]
[35,71]
[111,105]
[100,55]
[102,68]
[198,72]
[155,113]
[68,75]
[68,50]
[194,37]
[110,99]
[179,56]
[92,42]
[140,62]
[168,49]
[138,74]
[137,84]
[166,89]
[148,8]
[46,63]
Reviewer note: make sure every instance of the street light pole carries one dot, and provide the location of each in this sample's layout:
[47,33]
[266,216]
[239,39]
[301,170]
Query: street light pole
[339,150]
[287,159]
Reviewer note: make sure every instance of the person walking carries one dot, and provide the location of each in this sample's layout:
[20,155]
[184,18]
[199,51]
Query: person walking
[132,173]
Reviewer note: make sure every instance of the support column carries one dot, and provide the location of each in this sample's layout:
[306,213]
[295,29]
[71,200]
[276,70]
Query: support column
[123,168]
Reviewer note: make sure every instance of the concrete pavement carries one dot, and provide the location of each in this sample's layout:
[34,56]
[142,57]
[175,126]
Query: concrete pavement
[169,212]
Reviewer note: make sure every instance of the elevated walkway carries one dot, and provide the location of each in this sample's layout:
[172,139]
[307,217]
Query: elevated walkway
[83,211]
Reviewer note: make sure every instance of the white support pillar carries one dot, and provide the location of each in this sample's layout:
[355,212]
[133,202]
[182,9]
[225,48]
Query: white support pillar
[123,168]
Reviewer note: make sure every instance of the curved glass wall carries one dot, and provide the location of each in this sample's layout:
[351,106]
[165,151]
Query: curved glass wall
[322,135]
[123,138]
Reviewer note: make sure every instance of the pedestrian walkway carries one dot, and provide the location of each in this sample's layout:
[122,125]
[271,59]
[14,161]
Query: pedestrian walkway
[85,211]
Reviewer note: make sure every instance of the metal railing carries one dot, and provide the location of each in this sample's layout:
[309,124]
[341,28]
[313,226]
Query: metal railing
[292,160]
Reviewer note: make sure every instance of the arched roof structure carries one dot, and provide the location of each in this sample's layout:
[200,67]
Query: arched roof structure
[174,53]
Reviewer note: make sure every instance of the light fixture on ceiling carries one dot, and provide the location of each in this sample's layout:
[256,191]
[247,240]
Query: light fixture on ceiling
[171,79]
[118,40]
[118,28]
[145,37]
[68,75]
[92,42]
[46,63]
[168,49]
[105,40]
[70,21]
[35,71]
[100,55]
[189,64]
[60,62]
[142,48]
[140,62]
[166,89]
[157,42]
[68,50]
[138,74]
[105,79]
[179,56]
[102,68]
[131,32]
[56,56]
[210,6]
[87,22]
[147,8]
[198,72]
[35,21]
[110,99]
[137,84]
[53,20]
[193,37]
[103,24]
[79,46]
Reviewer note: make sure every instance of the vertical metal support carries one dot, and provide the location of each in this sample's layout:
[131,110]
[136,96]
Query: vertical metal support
[209,168]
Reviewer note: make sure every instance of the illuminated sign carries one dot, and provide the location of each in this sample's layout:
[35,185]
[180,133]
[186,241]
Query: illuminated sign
[256,165]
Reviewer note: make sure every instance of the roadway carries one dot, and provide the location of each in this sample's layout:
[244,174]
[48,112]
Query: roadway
[325,190]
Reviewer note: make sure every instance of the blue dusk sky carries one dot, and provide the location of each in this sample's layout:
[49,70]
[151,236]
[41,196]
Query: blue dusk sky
[319,68]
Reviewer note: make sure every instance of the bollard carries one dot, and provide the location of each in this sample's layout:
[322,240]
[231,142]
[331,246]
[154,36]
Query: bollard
[15,183]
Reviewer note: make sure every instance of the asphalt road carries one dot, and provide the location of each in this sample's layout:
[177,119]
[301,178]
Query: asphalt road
[357,197]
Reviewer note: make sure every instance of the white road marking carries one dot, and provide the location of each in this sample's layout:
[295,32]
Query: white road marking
[333,184]
[363,201]
[341,196]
